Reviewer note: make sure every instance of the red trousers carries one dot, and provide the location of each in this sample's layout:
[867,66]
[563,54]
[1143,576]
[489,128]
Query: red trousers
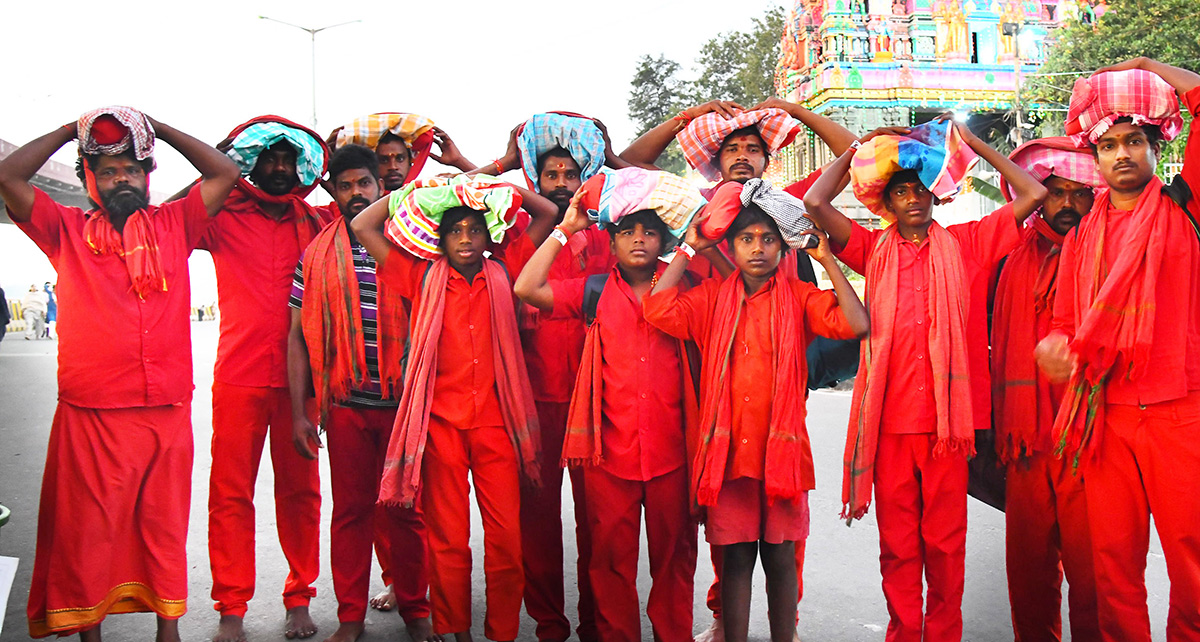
[542,531]
[487,454]
[113,519]
[921,508]
[718,562]
[615,518]
[1046,533]
[357,440]
[242,418]
[1148,462]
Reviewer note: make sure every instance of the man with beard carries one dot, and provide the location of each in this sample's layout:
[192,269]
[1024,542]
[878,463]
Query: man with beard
[112,526]
[724,142]
[255,242]
[556,152]
[350,333]
[1046,523]
[1126,335]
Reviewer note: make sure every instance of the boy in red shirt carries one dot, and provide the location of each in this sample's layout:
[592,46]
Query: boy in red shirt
[753,467]
[626,430]
[922,388]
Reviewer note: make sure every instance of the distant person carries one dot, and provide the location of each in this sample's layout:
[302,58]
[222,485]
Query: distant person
[33,309]
[5,315]
[116,493]
[51,311]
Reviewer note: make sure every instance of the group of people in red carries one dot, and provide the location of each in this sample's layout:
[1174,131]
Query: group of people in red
[610,319]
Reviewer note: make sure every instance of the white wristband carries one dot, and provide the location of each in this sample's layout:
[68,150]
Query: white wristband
[856,144]
[687,250]
[559,236]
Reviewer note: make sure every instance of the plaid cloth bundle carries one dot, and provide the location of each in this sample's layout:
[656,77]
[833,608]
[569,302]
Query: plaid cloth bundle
[580,136]
[934,149]
[701,139]
[615,193]
[367,130]
[1055,155]
[108,140]
[786,210]
[415,210]
[1099,100]
[310,152]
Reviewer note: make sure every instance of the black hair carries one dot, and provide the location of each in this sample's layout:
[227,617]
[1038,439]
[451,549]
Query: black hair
[148,164]
[353,156]
[901,177]
[648,219]
[389,137]
[454,216]
[554,152]
[752,214]
[749,130]
[1153,133]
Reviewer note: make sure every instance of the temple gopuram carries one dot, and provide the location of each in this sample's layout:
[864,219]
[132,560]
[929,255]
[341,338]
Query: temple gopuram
[874,63]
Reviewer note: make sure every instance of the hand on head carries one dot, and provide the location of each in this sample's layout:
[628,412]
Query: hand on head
[726,108]
[576,219]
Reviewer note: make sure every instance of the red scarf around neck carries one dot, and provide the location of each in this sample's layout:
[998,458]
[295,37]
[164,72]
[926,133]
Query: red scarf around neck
[136,243]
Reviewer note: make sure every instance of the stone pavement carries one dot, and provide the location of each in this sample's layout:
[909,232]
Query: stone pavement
[842,602]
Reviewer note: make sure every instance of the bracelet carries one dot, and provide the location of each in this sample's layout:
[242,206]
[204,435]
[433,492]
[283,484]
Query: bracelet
[559,235]
[499,167]
[687,250]
[856,144]
[682,116]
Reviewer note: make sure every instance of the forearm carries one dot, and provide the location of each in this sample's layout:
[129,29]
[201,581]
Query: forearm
[848,301]
[644,151]
[673,274]
[1029,192]
[837,137]
[298,367]
[719,261]
[533,283]
[1182,80]
[542,210]
[211,163]
[368,229]
[20,166]
[819,200]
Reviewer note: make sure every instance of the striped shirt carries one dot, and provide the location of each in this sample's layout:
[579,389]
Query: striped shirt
[364,268]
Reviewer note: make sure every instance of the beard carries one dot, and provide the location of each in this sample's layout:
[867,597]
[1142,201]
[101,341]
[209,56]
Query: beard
[561,198]
[120,202]
[355,206]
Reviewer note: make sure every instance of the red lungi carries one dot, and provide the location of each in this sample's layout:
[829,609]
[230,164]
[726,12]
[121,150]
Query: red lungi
[921,508]
[1046,532]
[241,417]
[113,518]
[357,440]
[487,454]
[542,531]
[718,561]
[615,519]
[1147,462]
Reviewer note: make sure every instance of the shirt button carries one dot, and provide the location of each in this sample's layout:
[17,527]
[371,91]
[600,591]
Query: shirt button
[920,321]
[643,395]
[920,356]
[918,288]
[921,388]
[145,332]
[471,327]
[475,361]
[745,441]
[474,392]
[745,398]
[643,358]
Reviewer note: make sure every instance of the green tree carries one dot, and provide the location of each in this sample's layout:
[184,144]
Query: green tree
[657,93]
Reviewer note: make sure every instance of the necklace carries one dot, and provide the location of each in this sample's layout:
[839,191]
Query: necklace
[654,281]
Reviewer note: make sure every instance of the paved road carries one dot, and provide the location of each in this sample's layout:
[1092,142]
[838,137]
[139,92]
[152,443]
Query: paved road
[843,600]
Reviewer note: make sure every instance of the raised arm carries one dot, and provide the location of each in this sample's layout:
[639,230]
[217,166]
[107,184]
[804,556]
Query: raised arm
[533,284]
[644,151]
[448,152]
[1028,190]
[819,200]
[368,229]
[304,433]
[542,210]
[848,301]
[218,174]
[838,138]
[610,157]
[1182,80]
[510,160]
[696,242]
[19,168]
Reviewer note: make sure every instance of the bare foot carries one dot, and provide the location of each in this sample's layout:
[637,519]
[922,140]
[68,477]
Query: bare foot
[168,630]
[346,632]
[385,600]
[421,630]
[299,624]
[230,630]
[714,633]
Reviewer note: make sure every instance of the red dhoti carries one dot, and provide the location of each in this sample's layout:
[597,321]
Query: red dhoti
[1147,462]
[241,417]
[615,519]
[1046,533]
[921,507]
[542,531]
[113,519]
[487,454]
[357,440]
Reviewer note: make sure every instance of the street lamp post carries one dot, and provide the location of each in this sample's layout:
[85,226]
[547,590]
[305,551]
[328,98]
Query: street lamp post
[1013,29]
[312,33]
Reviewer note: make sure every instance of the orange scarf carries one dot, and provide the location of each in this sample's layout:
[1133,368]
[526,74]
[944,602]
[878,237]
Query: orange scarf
[406,450]
[136,244]
[788,470]
[332,321]
[1023,405]
[1115,307]
[246,199]
[948,305]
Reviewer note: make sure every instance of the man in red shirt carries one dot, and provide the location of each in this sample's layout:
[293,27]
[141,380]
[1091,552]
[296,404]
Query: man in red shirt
[925,390]
[255,243]
[112,527]
[1045,513]
[1126,334]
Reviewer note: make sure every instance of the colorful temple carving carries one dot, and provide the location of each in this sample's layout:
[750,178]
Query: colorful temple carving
[870,63]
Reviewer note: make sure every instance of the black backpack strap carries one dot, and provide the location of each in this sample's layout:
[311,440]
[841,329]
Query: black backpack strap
[1181,193]
[592,288]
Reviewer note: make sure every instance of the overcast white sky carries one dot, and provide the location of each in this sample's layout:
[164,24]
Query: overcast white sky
[476,68]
